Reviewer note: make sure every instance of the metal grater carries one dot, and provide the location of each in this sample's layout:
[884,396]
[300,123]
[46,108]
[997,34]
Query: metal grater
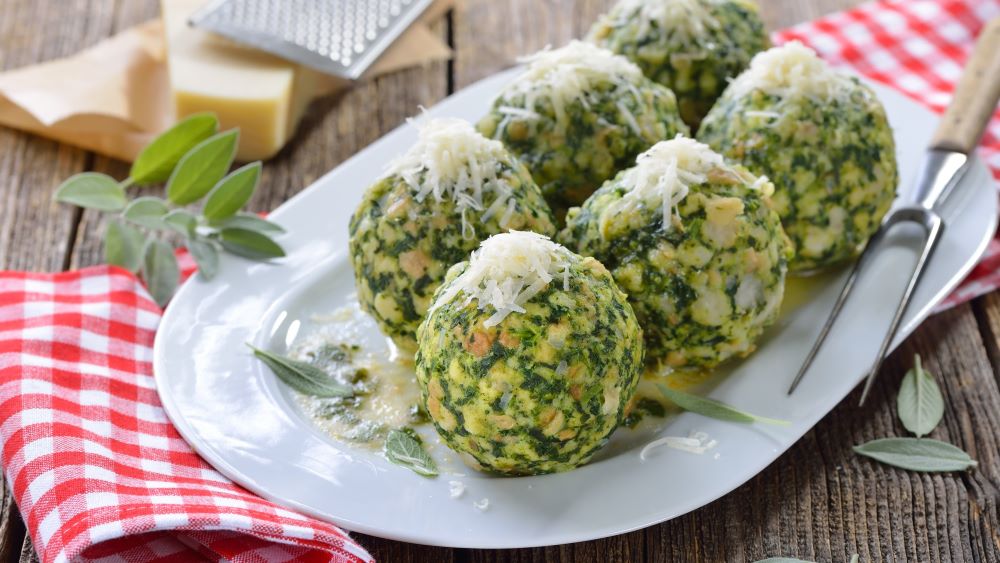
[340,37]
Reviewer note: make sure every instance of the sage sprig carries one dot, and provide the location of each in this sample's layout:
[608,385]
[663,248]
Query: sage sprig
[404,448]
[712,408]
[193,159]
[854,559]
[302,376]
[920,407]
[919,404]
[917,454]
[782,560]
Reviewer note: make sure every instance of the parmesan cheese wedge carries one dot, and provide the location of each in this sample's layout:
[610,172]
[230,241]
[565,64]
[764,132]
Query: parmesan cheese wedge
[263,95]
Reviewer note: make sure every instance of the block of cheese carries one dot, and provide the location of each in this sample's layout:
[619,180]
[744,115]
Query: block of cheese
[263,95]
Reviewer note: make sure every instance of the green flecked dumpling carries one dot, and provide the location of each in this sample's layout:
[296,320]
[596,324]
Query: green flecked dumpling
[693,47]
[453,189]
[696,246]
[823,138]
[528,356]
[576,116]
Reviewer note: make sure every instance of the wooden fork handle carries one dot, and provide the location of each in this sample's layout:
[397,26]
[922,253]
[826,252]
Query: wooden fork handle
[975,98]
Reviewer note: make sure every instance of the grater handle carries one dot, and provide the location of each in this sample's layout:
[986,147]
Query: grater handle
[975,97]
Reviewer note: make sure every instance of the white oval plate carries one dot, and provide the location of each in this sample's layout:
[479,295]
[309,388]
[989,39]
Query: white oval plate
[239,418]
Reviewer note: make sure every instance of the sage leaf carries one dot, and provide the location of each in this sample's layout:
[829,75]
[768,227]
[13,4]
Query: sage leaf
[92,190]
[712,408]
[249,222]
[156,161]
[232,192]
[250,244]
[206,255]
[302,376]
[782,560]
[403,449]
[919,403]
[202,167]
[160,271]
[123,245]
[147,212]
[917,454]
[181,221]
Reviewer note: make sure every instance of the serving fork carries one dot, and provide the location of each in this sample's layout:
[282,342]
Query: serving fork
[943,166]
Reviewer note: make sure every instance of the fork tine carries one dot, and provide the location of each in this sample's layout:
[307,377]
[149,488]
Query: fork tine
[933,225]
[841,299]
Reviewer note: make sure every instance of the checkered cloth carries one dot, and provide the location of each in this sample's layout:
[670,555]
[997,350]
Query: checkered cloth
[98,471]
[918,47]
[101,475]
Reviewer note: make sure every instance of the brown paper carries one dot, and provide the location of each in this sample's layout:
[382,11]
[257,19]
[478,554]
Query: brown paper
[114,97]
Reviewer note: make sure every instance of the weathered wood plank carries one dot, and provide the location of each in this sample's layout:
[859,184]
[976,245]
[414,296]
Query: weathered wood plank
[35,233]
[11,527]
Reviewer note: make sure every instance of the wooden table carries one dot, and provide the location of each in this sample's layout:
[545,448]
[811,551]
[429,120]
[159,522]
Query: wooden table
[819,501]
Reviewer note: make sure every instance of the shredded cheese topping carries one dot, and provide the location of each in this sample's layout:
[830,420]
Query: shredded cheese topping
[688,20]
[696,443]
[662,177]
[451,160]
[508,270]
[791,70]
[567,74]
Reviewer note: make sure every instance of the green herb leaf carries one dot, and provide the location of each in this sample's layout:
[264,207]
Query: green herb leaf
[712,408]
[917,454]
[206,255]
[123,245]
[919,404]
[301,376]
[249,222]
[402,449]
[92,190]
[250,244]
[232,192]
[147,212]
[160,271]
[202,167]
[181,221]
[156,161]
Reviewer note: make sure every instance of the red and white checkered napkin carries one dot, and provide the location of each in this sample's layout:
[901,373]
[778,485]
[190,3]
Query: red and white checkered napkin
[98,471]
[918,47]
[100,474]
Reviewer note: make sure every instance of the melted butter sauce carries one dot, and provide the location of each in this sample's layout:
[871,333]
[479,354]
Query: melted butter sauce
[386,393]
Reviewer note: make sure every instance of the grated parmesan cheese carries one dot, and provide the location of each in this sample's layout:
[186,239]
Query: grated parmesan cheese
[687,19]
[567,74]
[696,443]
[456,489]
[662,177]
[508,270]
[788,71]
[451,160]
